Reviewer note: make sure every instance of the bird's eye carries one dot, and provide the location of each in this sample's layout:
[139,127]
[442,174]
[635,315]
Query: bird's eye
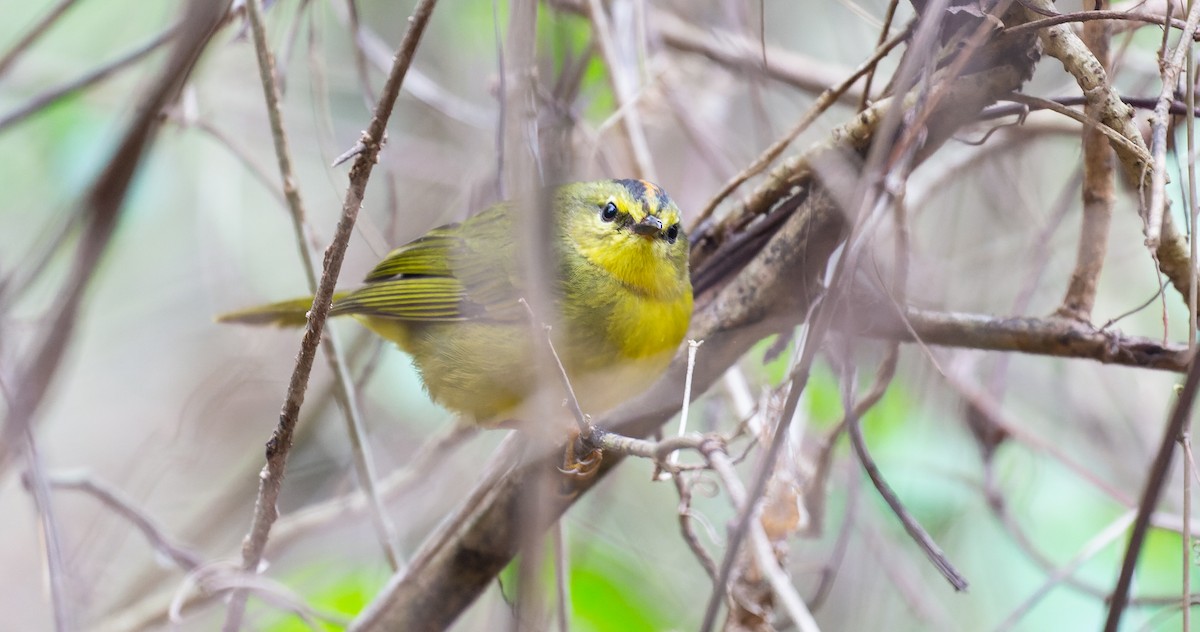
[609,213]
[672,233]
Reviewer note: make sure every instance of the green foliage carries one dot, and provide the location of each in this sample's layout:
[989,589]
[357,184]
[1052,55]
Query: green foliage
[342,594]
[608,593]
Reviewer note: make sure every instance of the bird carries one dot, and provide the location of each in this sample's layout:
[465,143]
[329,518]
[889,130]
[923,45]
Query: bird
[452,299]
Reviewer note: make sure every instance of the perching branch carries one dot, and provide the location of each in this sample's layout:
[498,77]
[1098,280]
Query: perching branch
[767,292]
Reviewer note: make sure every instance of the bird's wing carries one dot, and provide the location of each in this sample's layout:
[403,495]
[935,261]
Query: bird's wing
[456,272]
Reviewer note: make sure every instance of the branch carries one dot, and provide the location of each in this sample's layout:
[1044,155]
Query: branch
[1158,129]
[278,448]
[34,32]
[1062,43]
[1040,336]
[768,291]
[99,211]
[1099,193]
[1150,493]
[50,97]
[344,391]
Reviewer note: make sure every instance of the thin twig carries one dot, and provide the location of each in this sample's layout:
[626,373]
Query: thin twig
[692,347]
[64,605]
[122,506]
[1189,465]
[1154,484]
[33,33]
[1089,550]
[1116,137]
[278,448]
[822,103]
[631,121]
[1087,16]
[1158,128]
[99,211]
[344,388]
[685,526]
[764,556]
[52,96]
[888,16]
[854,414]
[581,419]
[218,579]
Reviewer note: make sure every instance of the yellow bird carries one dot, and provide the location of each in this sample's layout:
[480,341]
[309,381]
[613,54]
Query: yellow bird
[450,299]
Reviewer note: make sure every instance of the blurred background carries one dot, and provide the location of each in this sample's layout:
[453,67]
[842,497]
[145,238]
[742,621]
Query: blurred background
[170,410]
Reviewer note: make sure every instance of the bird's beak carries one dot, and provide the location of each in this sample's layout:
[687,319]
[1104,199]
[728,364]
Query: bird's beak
[649,226]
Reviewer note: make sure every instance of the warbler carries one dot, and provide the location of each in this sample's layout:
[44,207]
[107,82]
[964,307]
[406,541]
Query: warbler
[451,300]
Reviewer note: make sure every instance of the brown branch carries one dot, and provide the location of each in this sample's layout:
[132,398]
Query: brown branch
[344,390]
[1099,193]
[854,414]
[1088,17]
[1040,336]
[769,291]
[278,448]
[1060,42]
[1150,493]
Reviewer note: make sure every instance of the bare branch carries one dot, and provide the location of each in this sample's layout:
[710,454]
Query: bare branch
[34,32]
[99,211]
[50,97]
[1158,129]
[1041,336]
[1150,493]
[116,501]
[1060,42]
[344,389]
[278,448]
[64,603]
[1099,193]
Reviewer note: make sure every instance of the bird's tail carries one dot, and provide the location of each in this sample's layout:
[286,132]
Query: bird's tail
[290,313]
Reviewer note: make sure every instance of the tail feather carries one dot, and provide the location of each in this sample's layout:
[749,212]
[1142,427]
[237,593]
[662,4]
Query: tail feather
[290,313]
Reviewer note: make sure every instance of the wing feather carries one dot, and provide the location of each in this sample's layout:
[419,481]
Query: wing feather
[456,272]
